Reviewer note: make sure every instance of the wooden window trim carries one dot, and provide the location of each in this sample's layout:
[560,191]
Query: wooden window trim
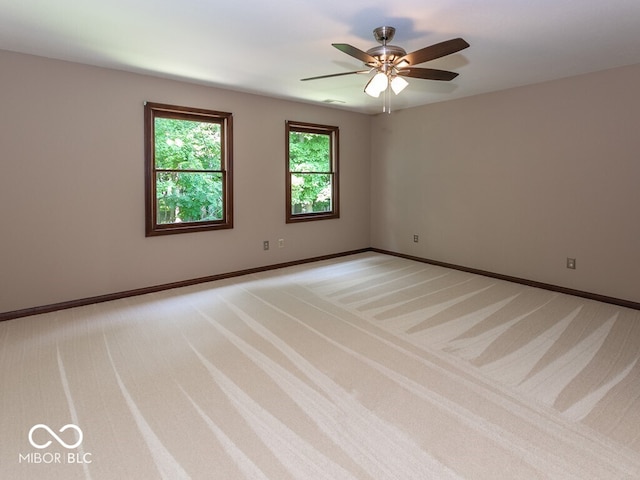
[334,134]
[225,119]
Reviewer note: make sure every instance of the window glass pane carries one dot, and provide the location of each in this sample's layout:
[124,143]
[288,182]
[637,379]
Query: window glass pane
[189,197]
[312,172]
[309,152]
[187,144]
[188,168]
[310,193]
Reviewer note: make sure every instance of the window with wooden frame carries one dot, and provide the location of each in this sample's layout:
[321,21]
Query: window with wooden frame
[312,172]
[188,165]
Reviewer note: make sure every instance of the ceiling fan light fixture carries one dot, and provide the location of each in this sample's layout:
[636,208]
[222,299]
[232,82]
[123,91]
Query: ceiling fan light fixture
[376,85]
[398,84]
[372,92]
[391,62]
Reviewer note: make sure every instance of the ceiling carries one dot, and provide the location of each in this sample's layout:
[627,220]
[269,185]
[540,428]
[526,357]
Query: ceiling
[267,47]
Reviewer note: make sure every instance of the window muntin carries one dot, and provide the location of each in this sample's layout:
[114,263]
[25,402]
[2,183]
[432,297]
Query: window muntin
[312,172]
[188,156]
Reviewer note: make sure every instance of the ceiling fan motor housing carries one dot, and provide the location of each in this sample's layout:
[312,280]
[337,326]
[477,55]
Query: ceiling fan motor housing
[385,53]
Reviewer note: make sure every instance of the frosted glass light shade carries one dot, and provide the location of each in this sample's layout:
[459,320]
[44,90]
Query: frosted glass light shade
[376,85]
[398,84]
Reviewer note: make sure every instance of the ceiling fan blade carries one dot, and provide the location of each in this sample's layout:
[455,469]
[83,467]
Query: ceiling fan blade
[334,75]
[355,52]
[427,73]
[434,51]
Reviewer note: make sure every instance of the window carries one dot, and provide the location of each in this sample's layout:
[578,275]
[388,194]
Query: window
[188,163]
[312,172]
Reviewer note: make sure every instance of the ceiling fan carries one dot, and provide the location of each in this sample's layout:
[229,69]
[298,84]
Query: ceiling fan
[391,63]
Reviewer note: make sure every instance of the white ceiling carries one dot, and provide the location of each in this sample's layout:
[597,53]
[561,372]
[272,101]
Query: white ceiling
[266,47]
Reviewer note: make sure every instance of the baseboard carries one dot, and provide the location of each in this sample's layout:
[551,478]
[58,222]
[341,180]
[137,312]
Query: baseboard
[531,283]
[25,312]
[211,278]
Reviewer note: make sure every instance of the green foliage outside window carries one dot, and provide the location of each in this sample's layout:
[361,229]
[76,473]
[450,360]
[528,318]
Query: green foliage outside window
[189,181]
[310,167]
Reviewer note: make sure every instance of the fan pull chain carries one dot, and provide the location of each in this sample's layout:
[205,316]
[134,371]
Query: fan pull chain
[386,100]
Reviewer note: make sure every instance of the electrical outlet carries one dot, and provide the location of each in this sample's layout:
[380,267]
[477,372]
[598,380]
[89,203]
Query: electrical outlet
[265,245]
[415,238]
[571,263]
[280,242]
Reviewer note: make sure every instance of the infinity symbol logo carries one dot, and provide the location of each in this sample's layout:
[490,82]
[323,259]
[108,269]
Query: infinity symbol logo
[53,434]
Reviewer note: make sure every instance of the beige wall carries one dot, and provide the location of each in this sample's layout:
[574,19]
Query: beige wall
[515,182]
[511,182]
[72,186]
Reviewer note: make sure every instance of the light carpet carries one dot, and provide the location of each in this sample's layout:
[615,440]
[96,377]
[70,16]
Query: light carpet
[362,367]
